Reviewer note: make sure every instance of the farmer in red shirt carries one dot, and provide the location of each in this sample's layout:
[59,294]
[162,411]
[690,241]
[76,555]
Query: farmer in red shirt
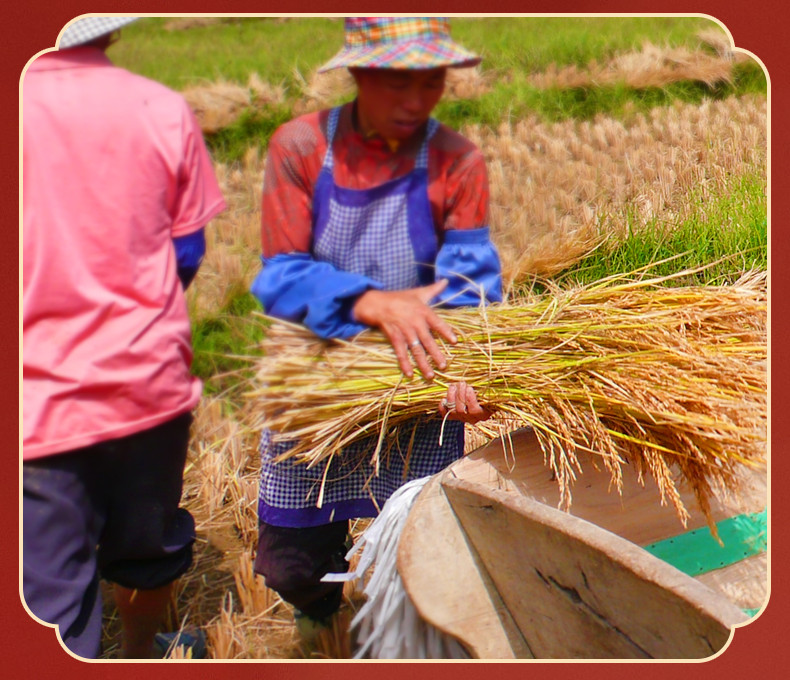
[117,188]
[372,212]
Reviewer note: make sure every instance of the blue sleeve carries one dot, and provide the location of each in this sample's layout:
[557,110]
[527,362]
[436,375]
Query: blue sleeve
[190,250]
[469,260]
[296,288]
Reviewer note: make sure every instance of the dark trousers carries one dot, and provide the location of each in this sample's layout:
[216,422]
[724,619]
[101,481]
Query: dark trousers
[293,560]
[110,510]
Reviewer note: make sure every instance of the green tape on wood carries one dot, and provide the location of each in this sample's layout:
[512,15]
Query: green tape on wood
[697,552]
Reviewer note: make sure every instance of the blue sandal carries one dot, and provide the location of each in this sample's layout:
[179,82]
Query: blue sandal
[193,641]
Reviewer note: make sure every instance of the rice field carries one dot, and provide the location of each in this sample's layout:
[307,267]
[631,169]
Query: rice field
[589,151]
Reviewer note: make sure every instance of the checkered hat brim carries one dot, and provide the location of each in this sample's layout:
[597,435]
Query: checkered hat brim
[84,30]
[400,42]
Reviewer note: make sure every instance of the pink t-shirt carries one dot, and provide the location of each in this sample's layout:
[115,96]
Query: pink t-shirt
[114,166]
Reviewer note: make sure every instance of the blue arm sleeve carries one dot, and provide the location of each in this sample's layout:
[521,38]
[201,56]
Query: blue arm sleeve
[190,250]
[469,260]
[296,288]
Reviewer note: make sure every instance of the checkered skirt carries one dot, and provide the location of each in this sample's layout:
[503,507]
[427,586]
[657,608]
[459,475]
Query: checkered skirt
[406,455]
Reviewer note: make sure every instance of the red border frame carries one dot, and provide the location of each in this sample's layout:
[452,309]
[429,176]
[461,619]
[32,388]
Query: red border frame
[755,650]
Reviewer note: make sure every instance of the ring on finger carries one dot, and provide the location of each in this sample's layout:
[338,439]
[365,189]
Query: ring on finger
[415,343]
[449,405]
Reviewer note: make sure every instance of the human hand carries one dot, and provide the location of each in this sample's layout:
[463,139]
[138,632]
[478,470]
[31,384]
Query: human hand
[461,404]
[409,323]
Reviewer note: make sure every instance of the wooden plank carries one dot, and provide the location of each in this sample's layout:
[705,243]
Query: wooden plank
[744,583]
[448,588]
[517,467]
[452,589]
[578,591]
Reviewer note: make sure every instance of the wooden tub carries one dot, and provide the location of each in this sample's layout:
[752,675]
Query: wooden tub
[488,558]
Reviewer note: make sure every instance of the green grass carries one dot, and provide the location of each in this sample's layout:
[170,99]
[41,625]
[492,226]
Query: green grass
[730,230]
[230,50]
[528,44]
[239,46]
[253,128]
[217,338]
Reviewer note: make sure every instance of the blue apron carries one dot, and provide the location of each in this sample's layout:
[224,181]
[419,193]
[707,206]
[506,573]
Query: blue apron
[385,233]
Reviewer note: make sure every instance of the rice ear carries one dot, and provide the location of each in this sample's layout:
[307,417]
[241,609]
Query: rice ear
[622,371]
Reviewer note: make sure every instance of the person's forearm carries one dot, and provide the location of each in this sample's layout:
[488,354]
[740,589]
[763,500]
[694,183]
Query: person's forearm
[297,288]
[470,262]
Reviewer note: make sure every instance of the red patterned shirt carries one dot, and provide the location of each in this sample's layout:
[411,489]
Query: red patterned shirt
[457,190]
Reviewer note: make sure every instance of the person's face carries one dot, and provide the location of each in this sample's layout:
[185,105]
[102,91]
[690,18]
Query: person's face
[395,103]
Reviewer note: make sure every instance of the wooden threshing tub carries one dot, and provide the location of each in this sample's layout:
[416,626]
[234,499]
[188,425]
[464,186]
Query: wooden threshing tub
[488,558]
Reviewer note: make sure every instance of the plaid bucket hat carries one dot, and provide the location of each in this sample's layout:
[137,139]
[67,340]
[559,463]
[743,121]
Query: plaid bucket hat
[399,42]
[84,30]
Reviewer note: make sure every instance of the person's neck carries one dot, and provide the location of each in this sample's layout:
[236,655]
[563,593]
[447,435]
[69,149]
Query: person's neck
[368,131]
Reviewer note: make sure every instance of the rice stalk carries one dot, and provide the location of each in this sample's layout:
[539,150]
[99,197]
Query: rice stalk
[254,597]
[623,371]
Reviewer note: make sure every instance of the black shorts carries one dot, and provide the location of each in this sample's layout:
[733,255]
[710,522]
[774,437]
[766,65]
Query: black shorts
[109,510]
[293,560]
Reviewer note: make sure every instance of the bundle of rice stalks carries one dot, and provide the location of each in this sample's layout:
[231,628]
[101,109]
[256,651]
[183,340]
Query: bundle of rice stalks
[321,90]
[218,105]
[720,42]
[467,83]
[669,380]
[652,66]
